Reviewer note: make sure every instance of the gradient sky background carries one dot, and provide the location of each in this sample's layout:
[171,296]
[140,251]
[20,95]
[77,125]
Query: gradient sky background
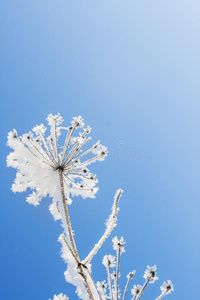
[132,70]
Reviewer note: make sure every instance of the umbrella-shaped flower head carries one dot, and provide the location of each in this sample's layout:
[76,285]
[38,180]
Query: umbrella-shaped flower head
[109,260]
[118,244]
[167,287]
[136,290]
[150,274]
[40,159]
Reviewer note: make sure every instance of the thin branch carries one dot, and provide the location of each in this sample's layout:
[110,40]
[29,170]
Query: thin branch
[161,296]
[89,161]
[67,215]
[72,150]
[47,161]
[75,152]
[126,287]
[92,283]
[82,176]
[110,225]
[67,141]
[72,253]
[56,141]
[27,148]
[77,186]
[109,281]
[117,272]
[79,267]
[83,154]
[74,248]
[114,286]
[46,145]
[142,290]
[50,141]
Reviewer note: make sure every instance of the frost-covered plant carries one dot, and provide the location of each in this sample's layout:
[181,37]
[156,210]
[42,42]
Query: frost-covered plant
[61,171]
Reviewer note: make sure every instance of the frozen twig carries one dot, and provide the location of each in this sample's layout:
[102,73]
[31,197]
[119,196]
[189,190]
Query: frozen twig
[142,290]
[109,262]
[129,277]
[110,224]
[166,289]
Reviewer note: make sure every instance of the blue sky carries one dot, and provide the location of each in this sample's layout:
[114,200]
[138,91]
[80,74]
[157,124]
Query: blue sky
[132,70]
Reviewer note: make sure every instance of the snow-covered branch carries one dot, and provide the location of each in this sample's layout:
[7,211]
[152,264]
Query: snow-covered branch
[129,277]
[110,224]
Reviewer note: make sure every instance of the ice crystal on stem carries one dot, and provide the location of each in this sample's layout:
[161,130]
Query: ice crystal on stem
[61,171]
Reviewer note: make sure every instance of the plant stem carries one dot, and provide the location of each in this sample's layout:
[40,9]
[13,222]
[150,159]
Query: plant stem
[117,273]
[64,202]
[126,288]
[110,281]
[161,296]
[73,244]
[143,289]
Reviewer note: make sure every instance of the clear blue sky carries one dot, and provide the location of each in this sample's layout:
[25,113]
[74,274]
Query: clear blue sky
[132,70]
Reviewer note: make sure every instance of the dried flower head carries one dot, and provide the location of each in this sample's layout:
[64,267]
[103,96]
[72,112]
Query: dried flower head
[150,274]
[109,260]
[167,287]
[101,287]
[39,160]
[118,244]
[130,275]
[136,290]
